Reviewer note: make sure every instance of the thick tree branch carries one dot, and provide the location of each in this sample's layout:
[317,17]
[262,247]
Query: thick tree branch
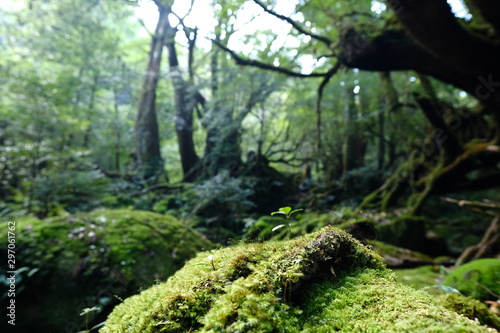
[394,50]
[442,133]
[437,30]
[294,24]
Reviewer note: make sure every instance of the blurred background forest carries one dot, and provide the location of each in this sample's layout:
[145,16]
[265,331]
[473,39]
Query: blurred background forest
[362,113]
[230,109]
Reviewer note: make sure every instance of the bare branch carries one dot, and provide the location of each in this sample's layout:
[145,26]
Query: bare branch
[247,62]
[489,208]
[294,24]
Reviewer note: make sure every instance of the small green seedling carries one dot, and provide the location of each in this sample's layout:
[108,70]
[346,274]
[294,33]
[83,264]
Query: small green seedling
[287,211]
[211,260]
[86,312]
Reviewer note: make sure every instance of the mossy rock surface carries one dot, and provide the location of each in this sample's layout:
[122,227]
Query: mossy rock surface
[360,228]
[470,308]
[322,282]
[479,279]
[68,264]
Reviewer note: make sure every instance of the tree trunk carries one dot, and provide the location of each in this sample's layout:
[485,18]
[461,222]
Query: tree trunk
[185,102]
[381,136]
[184,124]
[150,163]
[118,139]
[354,145]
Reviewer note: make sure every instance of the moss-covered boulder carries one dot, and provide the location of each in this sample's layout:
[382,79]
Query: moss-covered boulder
[266,227]
[430,279]
[478,279]
[90,260]
[322,282]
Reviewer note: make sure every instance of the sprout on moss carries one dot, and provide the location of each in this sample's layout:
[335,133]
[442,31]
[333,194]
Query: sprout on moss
[211,260]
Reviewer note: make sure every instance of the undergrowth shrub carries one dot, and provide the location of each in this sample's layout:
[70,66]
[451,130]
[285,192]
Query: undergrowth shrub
[72,190]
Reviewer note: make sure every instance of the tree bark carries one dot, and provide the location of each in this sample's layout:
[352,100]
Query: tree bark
[381,137]
[442,134]
[150,163]
[185,103]
[354,145]
[395,50]
[436,29]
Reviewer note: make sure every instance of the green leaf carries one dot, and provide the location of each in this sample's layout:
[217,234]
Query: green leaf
[274,213]
[285,210]
[295,211]
[277,227]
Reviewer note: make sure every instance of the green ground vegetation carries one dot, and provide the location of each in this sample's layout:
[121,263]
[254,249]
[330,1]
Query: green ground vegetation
[421,277]
[321,282]
[470,308]
[478,279]
[67,264]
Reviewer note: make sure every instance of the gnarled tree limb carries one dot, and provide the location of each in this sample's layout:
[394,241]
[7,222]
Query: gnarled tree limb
[438,31]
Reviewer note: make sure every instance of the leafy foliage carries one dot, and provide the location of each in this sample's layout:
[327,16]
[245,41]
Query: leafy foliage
[287,211]
[98,255]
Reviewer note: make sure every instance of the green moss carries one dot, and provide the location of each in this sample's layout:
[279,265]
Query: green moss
[479,279]
[470,308]
[316,283]
[372,301]
[86,260]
